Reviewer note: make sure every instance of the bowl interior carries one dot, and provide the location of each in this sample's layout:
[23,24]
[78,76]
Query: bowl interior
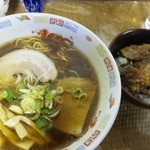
[30,24]
[127,38]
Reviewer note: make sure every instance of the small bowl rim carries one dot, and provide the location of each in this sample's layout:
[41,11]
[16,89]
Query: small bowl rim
[125,94]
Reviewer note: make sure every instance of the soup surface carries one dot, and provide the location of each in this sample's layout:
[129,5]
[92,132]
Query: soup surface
[75,89]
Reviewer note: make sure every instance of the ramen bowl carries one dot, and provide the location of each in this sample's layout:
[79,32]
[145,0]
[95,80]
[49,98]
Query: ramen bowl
[17,31]
[127,38]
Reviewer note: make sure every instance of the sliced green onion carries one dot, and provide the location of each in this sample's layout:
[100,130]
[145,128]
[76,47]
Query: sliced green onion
[48,112]
[38,105]
[58,99]
[25,91]
[8,95]
[35,116]
[83,96]
[42,124]
[55,113]
[19,87]
[60,90]
[35,101]
[77,93]
[28,105]
[49,97]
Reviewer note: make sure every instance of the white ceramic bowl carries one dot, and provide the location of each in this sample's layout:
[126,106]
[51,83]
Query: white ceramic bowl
[28,24]
[4,4]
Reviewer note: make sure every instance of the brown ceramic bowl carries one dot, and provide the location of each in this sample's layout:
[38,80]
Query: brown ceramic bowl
[127,38]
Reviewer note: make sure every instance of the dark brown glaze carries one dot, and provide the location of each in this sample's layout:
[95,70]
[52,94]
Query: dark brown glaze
[128,38]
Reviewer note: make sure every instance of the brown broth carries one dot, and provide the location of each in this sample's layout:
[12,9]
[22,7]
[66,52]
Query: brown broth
[75,64]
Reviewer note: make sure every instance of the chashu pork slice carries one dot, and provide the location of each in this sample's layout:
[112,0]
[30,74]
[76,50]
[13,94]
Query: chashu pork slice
[26,60]
[72,117]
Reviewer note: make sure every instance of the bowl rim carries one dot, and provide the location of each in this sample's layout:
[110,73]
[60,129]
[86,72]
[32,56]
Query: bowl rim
[125,94]
[114,115]
[127,32]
